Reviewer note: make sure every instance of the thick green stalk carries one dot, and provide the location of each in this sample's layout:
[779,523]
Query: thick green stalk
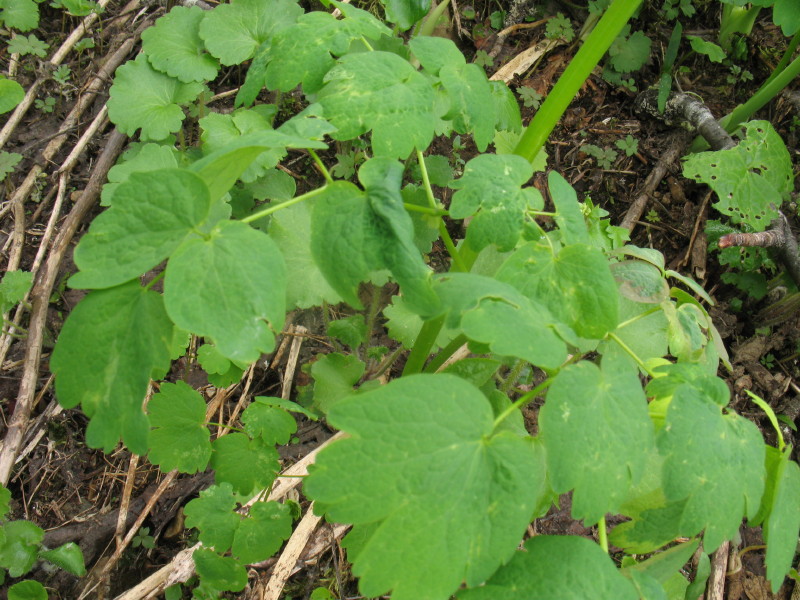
[736,19]
[744,111]
[787,56]
[423,345]
[579,69]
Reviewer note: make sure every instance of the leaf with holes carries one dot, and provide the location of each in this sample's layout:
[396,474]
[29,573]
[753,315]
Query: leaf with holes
[751,180]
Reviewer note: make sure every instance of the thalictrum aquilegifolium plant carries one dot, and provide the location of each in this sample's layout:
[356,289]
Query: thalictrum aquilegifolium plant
[438,469]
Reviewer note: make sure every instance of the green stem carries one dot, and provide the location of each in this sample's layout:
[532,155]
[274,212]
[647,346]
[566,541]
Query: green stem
[276,207]
[520,402]
[372,312]
[445,353]
[765,93]
[422,346]
[436,212]
[579,69]
[155,280]
[602,534]
[630,353]
[426,180]
[321,166]
[459,265]
[429,24]
[512,376]
[632,320]
[388,362]
[787,56]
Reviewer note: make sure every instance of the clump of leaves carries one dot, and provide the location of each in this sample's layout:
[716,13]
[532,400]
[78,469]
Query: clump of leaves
[529,96]
[559,27]
[605,157]
[629,145]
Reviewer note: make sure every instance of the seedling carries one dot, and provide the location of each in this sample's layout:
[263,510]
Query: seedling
[529,96]
[629,145]
[559,27]
[605,157]
[47,105]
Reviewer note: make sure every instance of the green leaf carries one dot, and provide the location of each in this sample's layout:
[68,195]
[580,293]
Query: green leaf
[174,47]
[645,335]
[781,513]
[403,325]
[715,461]
[143,98]
[20,549]
[229,286]
[212,514]
[405,13]
[290,228]
[576,285]
[179,439]
[606,409]
[426,226]
[68,557]
[351,331]
[19,14]
[113,342]
[244,463]
[261,534]
[287,405]
[710,49]
[380,92]
[27,590]
[13,288]
[563,567]
[355,234]
[255,78]
[629,53]
[334,377]
[273,425]
[212,360]
[232,32]
[11,94]
[785,14]
[222,573]
[664,565]
[8,160]
[640,281]
[751,180]
[434,53]
[571,223]
[5,498]
[422,464]
[19,44]
[302,53]
[148,157]
[524,330]
[152,215]
[490,189]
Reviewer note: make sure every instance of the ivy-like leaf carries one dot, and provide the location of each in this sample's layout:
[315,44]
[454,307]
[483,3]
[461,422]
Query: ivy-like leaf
[107,369]
[273,425]
[406,13]
[382,93]
[220,573]
[564,567]
[715,461]
[11,94]
[780,513]
[244,463]
[27,590]
[147,157]
[19,550]
[354,234]
[291,230]
[302,53]
[174,46]
[334,377]
[751,180]
[229,286]
[576,285]
[423,466]
[232,32]
[179,439]
[261,534]
[13,288]
[606,409]
[152,214]
[143,98]
[19,14]
[212,514]
[68,556]
[490,187]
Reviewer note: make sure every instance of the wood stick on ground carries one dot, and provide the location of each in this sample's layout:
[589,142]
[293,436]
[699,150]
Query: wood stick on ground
[181,567]
[56,60]
[677,146]
[40,299]
[715,589]
[294,547]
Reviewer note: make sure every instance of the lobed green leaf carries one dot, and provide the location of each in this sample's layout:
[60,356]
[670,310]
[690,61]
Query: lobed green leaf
[174,47]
